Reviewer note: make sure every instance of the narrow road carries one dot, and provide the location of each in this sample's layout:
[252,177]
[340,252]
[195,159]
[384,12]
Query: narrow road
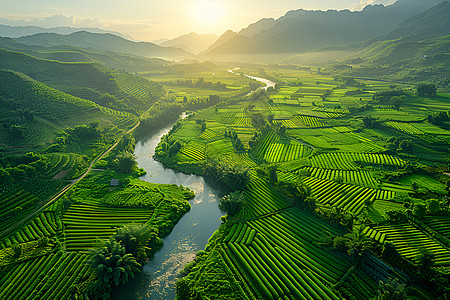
[33,214]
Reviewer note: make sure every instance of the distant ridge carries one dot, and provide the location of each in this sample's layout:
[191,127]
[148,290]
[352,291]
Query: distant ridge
[104,42]
[19,31]
[192,42]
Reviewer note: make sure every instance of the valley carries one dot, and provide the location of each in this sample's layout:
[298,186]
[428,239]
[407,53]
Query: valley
[301,157]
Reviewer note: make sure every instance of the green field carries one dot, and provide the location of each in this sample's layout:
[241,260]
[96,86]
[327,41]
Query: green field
[270,248]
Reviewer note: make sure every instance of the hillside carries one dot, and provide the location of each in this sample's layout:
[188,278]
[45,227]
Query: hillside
[434,21]
[86,80]
[127,62]
[104,42]
[405,59]
[32,113]
[302,30]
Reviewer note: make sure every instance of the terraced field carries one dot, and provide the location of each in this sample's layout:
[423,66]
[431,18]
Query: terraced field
[86,224]
[51,276]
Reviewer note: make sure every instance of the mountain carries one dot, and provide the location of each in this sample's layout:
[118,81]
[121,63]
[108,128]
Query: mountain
[116,61]
[224,38]
[433,21]
[252,29]
[104,42]
[302,30]
[192,42]
[19,31]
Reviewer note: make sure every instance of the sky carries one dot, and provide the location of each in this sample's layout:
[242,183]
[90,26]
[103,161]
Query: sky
[149,20]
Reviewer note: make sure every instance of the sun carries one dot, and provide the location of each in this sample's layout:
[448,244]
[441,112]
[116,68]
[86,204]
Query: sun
[208,12]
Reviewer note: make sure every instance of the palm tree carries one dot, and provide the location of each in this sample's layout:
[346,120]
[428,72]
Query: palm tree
[112,264]
[137,240]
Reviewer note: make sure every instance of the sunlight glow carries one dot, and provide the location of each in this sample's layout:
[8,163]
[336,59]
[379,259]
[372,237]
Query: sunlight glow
[208,12]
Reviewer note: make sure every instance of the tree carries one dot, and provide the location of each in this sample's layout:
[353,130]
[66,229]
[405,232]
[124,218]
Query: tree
[126,161]
[138,239]
[370,122]
[232,203]
[397,101]
[419,210]
[175,148]
[282,129]
[357,246]
[426,258]
[270,118]
[391,290]
[273,178]
[433,206]
[112,264]
[425,90]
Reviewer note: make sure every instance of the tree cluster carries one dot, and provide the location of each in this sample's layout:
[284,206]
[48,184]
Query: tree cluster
[168,147]
[199,84]
[202,124]
[254,140]
[439,119]
[426,90]
[400,144]
[386,96]
[237,143]
[121,257]
[232,203]
[236,177]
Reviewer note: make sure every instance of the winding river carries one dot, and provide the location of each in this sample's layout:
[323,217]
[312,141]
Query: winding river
[190,235]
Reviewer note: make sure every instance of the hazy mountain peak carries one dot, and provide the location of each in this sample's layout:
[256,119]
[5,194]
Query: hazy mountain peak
[192,42]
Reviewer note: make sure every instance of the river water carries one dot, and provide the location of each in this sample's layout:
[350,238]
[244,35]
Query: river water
[189,236]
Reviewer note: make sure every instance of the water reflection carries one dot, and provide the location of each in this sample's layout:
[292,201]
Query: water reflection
[189,236]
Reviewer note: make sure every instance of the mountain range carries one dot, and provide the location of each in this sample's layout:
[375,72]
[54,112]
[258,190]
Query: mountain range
[19,31]
[104,42]
[303,30]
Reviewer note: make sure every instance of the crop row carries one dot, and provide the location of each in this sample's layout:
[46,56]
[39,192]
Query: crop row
[240,233]
[86,224]
[59,162]
[261,199]
[274,275]
[404,127]
[208,134]
[287,123]
[195,150]
[348,197]
[13,203]
[362,178]
[46,224]
[409,240]
[310,121]
[374,234]
[296,233]
[45,277]
[220,147]
[348,161]
[440,224]
[138,87]
[278,152]
[233,159]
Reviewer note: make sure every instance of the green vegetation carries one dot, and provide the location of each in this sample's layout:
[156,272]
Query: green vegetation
[337,177]
[314,161]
